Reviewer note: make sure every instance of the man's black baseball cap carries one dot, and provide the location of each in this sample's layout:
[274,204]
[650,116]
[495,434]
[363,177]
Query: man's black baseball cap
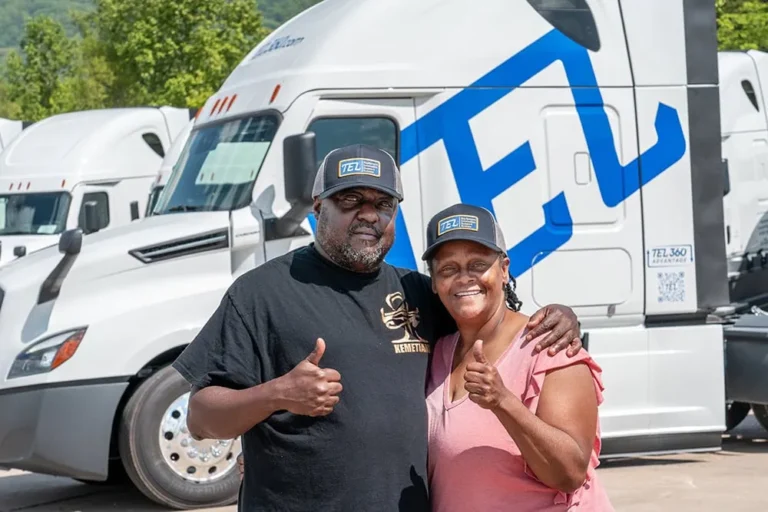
[463,222]
[358,165]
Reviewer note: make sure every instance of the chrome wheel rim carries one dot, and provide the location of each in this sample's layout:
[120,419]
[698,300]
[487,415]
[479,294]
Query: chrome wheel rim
[195,461]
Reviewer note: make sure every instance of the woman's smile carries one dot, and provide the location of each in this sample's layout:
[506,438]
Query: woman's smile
[468,293]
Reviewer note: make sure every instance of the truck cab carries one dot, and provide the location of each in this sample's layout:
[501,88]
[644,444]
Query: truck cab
[743,80]
[87,169]
[743,77]
[588,139]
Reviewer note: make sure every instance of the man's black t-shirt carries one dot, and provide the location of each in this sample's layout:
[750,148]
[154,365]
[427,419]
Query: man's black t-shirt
[370,453]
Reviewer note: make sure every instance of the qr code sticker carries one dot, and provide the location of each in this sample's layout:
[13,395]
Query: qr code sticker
[671,286]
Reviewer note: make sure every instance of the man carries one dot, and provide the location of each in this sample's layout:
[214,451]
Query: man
[319,358]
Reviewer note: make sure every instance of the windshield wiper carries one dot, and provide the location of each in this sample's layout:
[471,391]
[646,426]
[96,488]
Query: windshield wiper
[5,233]
[184,208]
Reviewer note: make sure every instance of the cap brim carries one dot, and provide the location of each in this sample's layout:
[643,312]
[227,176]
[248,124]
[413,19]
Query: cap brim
[347,186]
[434,247]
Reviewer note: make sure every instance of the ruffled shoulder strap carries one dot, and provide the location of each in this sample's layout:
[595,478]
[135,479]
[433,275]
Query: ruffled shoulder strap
[542,363]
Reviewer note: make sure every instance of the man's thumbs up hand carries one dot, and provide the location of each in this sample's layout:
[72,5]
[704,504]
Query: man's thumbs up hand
[482,380]
[308,389]
[317,354]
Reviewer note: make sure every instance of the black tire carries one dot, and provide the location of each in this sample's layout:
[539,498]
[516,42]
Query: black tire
[735,412]
[142,457]
[761,414]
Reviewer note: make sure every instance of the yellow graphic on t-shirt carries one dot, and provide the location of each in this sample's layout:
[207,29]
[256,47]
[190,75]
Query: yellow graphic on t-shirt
[400,316]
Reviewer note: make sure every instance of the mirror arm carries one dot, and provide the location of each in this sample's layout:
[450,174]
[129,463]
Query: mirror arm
[52,284]
[287,226]
[70,244]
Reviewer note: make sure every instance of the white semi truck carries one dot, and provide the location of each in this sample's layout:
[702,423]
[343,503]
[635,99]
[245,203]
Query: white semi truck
[88,169]
[743,80]
[597,147]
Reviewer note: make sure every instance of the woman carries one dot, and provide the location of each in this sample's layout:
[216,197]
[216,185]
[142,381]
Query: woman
[508,429]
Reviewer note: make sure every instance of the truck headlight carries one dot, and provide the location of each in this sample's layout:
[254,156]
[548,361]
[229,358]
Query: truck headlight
[47,354]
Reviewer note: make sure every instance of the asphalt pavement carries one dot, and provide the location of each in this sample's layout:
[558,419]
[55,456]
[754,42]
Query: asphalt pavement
[733,480]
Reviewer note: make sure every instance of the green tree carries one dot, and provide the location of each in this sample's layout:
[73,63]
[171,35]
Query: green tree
[36,72]
[742,24]
[15,13]
[276,12]
[175,53]
[8,108]
[52,73]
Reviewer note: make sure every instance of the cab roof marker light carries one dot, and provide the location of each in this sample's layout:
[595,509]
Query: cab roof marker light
[214,106]
[223,104]
[274,94]
[231,101]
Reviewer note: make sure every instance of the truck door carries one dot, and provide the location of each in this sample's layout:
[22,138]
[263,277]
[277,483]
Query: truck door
[377,122]
[547,140]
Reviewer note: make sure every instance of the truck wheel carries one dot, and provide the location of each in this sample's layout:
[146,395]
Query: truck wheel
[161,458]
[761,414]
[735,412]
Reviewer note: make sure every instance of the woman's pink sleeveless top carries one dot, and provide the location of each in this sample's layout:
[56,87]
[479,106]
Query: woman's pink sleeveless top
[474,465]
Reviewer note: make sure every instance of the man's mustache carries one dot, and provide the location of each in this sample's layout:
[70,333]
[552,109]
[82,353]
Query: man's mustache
[364,227]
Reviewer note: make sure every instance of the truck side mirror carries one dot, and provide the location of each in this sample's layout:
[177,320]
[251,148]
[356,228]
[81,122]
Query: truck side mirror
[70,242]
[727,178]
[92,222]
[299,168]
[20,251]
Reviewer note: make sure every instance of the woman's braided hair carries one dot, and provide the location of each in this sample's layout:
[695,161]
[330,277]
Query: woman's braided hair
[511,299]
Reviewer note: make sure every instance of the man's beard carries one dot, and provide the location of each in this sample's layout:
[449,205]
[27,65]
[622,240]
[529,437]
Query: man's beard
[339,248]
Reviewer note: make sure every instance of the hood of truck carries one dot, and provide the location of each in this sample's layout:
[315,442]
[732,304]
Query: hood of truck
[31,242]
[117,273]
[108,262]
[118,250]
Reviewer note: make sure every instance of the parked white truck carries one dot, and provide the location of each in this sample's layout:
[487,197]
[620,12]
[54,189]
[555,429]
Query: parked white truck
[552,114]
[88,169]
[743,88]
[9,129]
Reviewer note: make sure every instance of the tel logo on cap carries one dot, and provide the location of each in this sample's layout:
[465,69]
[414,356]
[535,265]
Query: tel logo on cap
[359,166]
[466,222]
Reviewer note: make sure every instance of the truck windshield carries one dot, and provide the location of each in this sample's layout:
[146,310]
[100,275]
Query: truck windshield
[219,166]
[34,214]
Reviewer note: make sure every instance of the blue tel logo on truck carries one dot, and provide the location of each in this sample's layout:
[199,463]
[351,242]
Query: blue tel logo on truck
[449,122]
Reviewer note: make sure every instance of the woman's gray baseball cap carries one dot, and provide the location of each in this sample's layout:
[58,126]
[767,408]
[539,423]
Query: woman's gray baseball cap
[463,222]
[358,165]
